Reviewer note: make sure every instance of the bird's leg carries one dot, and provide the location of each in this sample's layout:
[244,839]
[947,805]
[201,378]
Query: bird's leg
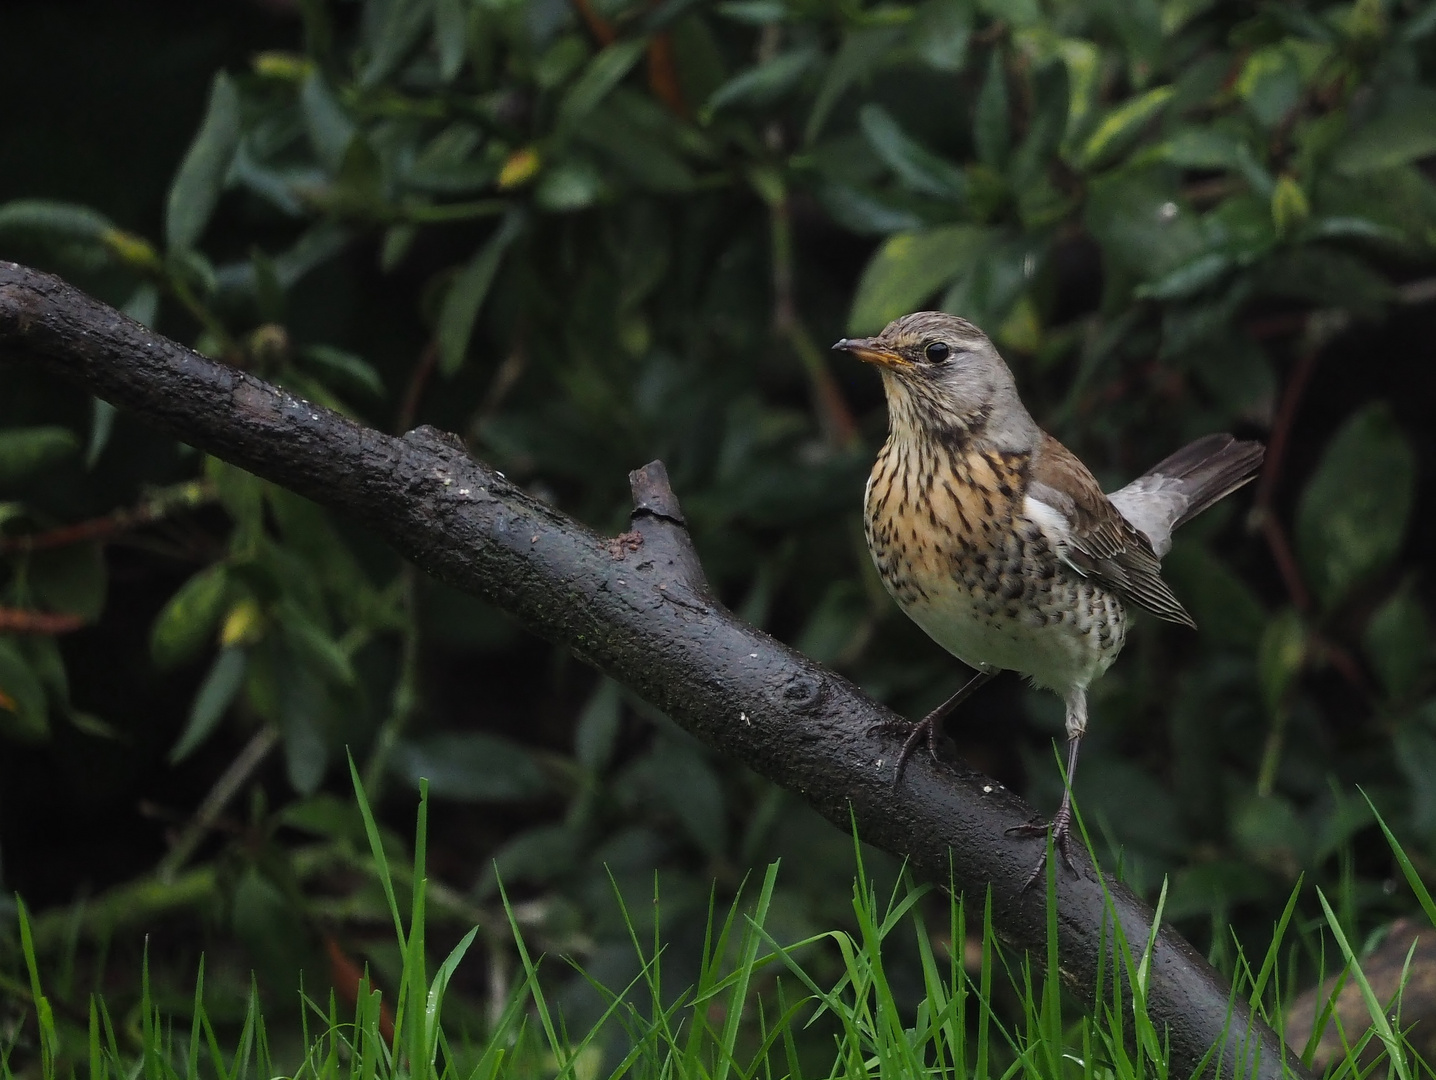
[928,725]
[1061,822]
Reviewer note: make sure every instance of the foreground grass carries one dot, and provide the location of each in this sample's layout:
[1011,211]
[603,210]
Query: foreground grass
[750,1012]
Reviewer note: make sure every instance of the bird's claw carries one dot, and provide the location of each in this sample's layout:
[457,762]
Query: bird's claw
[1059,826]
[914,732]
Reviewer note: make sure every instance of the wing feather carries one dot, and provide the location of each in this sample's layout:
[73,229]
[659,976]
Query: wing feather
[1099,542]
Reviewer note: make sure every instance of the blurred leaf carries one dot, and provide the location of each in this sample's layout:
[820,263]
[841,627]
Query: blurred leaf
[572,184]
[1188,278]
[991,129]
[470,767]
[1269,829]
[217,692]
[688,788]
[328,124]
[865,213]
[919,168]
[346,368]
[1398,643]
[1289,205]
[1280,657]
[764,84]
[27,450]
[314,647]
[46,217]
[602,74]
[598,727]
[1401,132]
[302,706]
[1272,79]
[535,856]
[1224,605]
[940,33]
[1120,125]
[394,37]
[466,294]
[451,32]
[71,579]
[187,622]
[1142,228]
[860,52]
[908,269]
[835,624]
[23,712]
[197,185]
[1351,520]
[1414,749]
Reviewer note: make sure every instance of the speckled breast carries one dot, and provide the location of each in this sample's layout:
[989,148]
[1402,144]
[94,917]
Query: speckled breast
[951,544]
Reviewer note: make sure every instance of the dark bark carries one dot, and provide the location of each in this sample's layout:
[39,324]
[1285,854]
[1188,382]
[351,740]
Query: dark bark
[637,608]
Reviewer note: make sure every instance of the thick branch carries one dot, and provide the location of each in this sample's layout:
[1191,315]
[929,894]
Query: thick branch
[636,608]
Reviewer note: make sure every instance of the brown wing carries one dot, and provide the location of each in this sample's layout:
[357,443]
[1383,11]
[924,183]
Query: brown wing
[1101,543]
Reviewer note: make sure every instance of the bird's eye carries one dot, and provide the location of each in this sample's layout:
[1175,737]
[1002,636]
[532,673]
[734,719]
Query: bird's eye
[937,352]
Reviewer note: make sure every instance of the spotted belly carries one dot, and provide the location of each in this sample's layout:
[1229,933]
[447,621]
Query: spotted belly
[990,590]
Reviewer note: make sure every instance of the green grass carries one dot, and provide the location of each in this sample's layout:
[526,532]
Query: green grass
[759,1007]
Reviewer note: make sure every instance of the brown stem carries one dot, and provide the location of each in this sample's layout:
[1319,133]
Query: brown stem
[48,623]
[185,496]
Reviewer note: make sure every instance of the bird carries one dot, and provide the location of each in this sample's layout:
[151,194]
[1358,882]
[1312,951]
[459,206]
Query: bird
[999,542]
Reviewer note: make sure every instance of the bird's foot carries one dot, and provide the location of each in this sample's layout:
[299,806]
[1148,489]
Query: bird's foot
[1060,826]
[915,733]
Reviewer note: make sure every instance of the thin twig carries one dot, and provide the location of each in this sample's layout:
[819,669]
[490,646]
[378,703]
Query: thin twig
[185,496]
[225,789]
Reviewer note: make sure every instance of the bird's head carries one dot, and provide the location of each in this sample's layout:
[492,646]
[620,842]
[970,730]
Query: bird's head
[945,379]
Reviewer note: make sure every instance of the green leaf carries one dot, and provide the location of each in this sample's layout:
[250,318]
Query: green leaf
[688,788]
[304,708]
[466,295]
[1289,205]
[1280,658]
[1142,228]
[859,53]
[909,268]
[24,451]
[217,692]
[188,621]
[598,727]
[1222,603]
[71,579]
[572,184]
[764,84]
[918,167]
[393,38]
[470,767]
[991,127]
[1272,79]
[197,185]
[23,712]
[1351,520]
[347,368]
[314,648]
[451,36]
[328,124]
[602,74]
[1121,125]
[1188,278]
[865,213]
[61,220]
[1398,643]
[940,33]
[1402,132]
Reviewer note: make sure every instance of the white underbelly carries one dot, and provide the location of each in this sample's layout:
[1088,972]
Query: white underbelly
[1063,644]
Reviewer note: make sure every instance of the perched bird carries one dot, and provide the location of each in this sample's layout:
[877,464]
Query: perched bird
[996,540]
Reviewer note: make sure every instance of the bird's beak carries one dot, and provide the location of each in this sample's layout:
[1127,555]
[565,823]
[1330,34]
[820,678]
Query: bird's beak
[871,351]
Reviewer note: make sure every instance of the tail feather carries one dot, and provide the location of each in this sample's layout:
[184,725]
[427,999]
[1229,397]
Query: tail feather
[1180,487]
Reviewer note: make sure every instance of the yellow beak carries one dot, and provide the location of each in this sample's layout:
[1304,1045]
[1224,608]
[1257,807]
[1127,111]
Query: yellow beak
[871,351]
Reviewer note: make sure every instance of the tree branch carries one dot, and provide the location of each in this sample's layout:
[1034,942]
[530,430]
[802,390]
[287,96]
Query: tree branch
[636,607]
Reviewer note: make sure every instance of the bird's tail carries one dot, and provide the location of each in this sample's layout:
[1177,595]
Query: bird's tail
[1180,487]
